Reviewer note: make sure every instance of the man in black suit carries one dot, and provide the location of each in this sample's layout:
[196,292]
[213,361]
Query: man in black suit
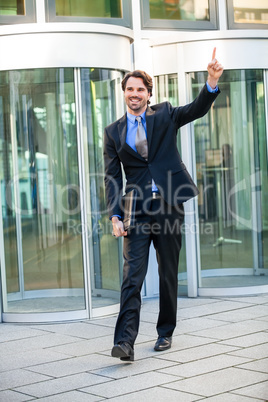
[146,148]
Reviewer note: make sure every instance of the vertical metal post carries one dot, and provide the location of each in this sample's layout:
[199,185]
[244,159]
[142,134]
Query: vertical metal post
[83,192]
[14,79]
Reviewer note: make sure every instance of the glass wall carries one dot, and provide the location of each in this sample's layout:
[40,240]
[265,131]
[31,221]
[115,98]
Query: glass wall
[231,164]
[166,89]
[47,240]
[102,103]
[40,191]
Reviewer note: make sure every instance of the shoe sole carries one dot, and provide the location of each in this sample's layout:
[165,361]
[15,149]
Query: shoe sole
[119,352]
[162,349]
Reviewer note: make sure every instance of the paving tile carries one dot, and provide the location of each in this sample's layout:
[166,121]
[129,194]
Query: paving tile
[157,394]
[36,342]
[261,299]
[16,332]
[254,352]
[209,309]
[195,353]
[196,324]
[150,304]
[12,396]
[203,366]
[128,385]
[139,367]
[141,338]
[27,359]
[234,330]
[218,382]
[72,396]
[247,340]
[242,314]
[60,385]
[256,365]
[85,330]
[264,318]
[75,365]
[85,347]
[106,321]
[146,349]
[148,316]
[228,397]
[16,378]
[258,391]
[187,302]
[147,328]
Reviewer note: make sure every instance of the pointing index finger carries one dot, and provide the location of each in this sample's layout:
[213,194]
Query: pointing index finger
[214,54]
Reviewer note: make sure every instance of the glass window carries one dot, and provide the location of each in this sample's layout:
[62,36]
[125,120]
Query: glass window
[248,14]
[12,7]
[186,10]
[40,193]
[17,11]
[186,14]
[117,12]
[102,103]
[85,8]
[166,89]
[231,164]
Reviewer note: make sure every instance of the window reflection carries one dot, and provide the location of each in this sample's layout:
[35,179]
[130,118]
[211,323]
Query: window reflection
[85,8]
[185,10]
[246,11]
[12,7]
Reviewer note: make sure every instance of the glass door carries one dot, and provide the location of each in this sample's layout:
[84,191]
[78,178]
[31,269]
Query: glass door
[102,104]
[231,166]
[166,89]
[40,193]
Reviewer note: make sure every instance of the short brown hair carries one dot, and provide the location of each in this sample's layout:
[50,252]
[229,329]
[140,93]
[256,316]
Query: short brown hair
[147,80]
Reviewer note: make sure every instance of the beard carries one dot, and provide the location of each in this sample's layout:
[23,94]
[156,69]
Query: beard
[136,104]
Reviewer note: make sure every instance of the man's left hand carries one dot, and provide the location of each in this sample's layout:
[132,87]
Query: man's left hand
[215,70]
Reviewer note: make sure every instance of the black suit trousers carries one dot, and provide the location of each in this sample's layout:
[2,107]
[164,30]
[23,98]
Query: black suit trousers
[161,224]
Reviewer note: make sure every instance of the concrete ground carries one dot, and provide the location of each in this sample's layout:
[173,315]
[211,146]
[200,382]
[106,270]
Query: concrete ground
[219,353]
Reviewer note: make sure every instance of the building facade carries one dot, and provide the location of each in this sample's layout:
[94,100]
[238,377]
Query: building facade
[61,67]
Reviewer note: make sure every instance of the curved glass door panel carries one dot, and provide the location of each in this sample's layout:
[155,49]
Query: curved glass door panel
[40,192]
[102,103]
[166,89]
[231,165]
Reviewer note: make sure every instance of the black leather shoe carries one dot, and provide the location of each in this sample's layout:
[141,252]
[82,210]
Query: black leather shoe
[124,351]
[163,343]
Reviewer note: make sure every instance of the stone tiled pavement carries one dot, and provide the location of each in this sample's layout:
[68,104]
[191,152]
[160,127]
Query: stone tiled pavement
[219,353]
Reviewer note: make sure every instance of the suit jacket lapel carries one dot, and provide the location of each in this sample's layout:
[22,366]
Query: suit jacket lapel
[122,129]
[149,126]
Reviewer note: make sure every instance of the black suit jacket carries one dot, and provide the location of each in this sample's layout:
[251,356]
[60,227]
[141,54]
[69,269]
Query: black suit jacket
[164,162]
